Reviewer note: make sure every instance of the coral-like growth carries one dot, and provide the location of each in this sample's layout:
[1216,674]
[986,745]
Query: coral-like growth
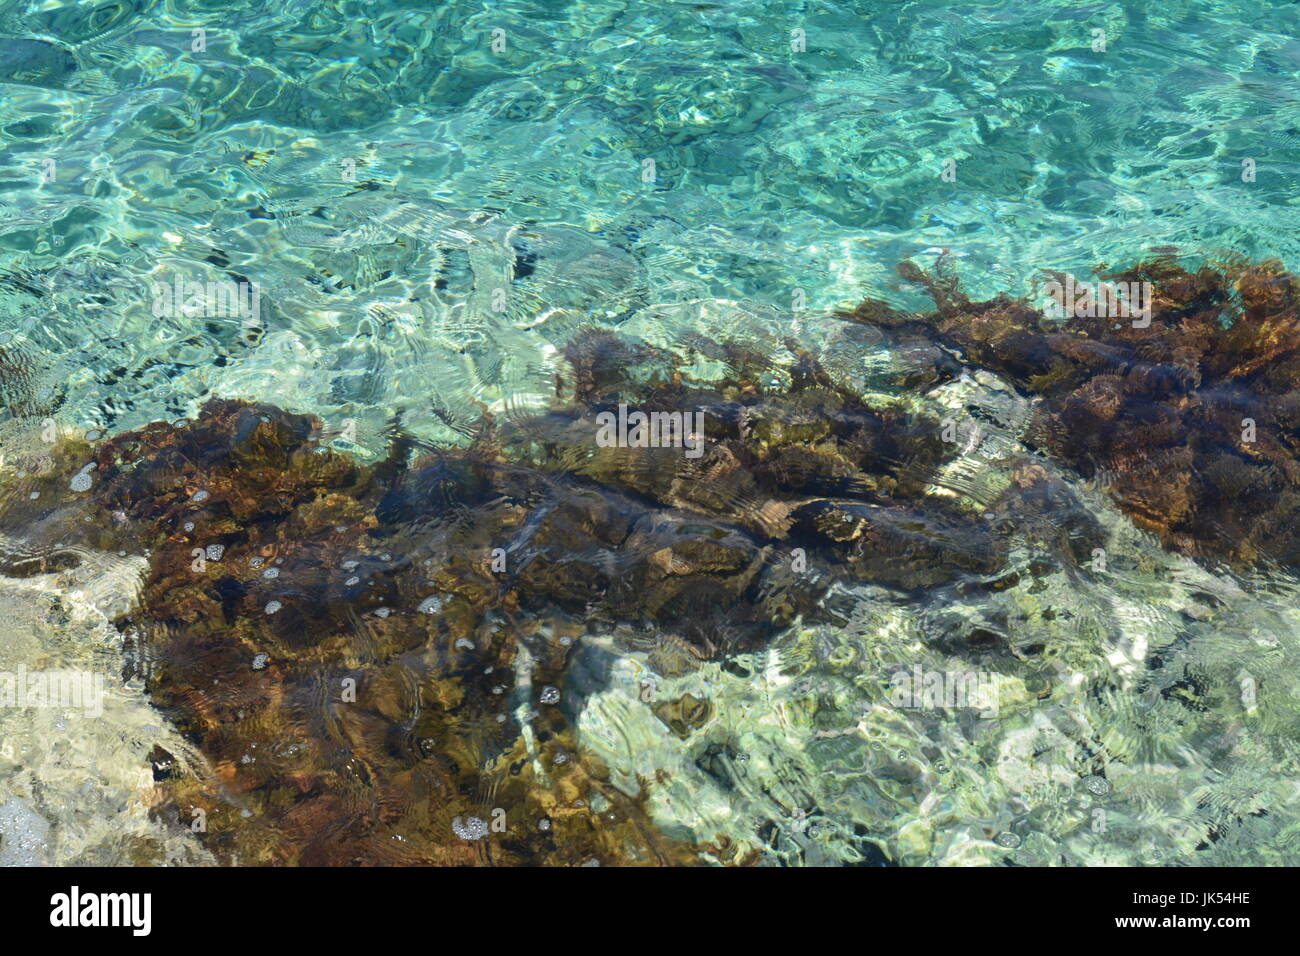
[1192,420]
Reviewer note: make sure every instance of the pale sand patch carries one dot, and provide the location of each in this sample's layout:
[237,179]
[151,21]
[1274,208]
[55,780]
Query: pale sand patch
[75,789]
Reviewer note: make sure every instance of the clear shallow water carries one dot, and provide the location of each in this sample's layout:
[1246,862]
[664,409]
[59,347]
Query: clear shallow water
[379,172]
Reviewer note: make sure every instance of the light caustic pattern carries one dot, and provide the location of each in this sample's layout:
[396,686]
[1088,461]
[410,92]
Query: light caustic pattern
[434,205]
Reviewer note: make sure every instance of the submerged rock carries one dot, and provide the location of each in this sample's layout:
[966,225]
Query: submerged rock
[372,659]
[1188,414]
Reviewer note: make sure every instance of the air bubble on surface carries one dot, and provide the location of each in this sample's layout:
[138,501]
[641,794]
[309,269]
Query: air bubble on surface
[471,829]
[1097,785]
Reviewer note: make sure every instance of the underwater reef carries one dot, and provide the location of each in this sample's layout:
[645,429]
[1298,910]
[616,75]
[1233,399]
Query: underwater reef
[372,660]
[1190,415]
[382,663]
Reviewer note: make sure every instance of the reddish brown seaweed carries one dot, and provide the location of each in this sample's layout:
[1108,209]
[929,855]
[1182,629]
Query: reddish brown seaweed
[1193,422]
[372,660]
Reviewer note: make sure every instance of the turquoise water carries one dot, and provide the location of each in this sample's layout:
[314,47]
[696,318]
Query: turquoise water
[775,170]
[432,199]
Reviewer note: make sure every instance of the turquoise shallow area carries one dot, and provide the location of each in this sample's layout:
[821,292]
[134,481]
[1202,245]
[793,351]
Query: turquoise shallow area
[775,170]
[389,173]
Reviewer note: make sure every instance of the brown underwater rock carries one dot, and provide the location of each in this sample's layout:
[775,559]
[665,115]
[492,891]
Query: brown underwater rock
[1192,422]
[372,659]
